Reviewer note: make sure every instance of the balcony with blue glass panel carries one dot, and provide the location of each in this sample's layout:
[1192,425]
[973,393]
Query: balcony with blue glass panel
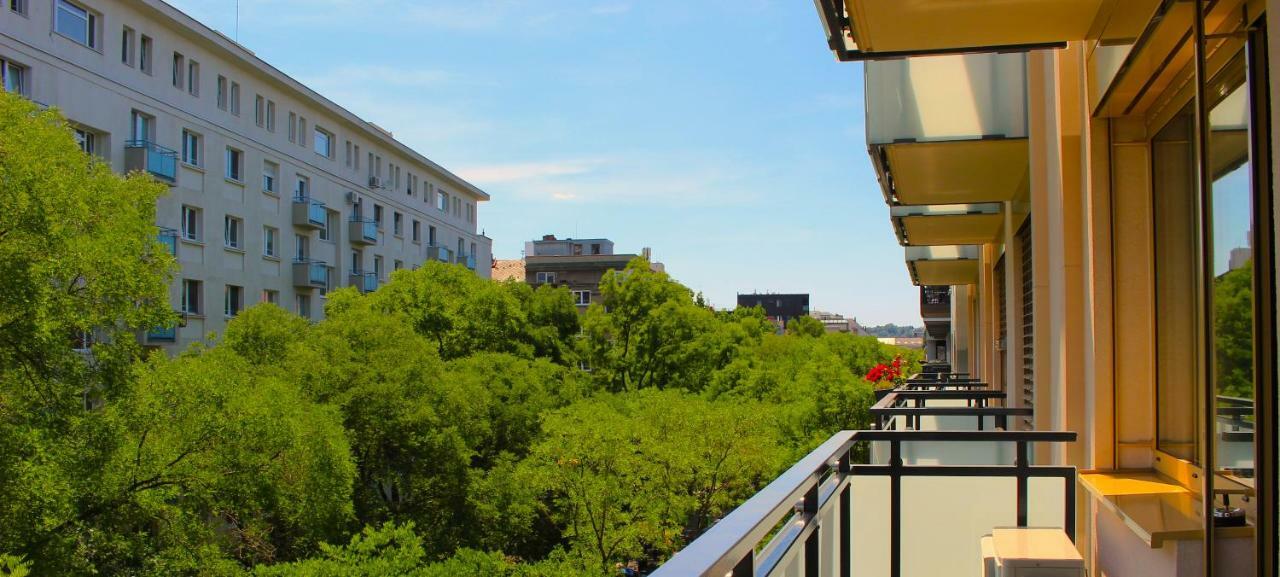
[149,157]
[309,273]
[166,334]
[439,253]
[309,212]
[169,238]
[365,282]
[363,230]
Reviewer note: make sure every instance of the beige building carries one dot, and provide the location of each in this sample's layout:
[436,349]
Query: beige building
[1092,179]
[578,264]
[277,194]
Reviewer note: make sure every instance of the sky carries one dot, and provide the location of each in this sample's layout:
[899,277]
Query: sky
[722,134]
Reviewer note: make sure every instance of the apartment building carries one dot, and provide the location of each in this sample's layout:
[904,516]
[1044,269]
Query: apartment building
[778,308]
[1092,181]
[277,194]
[578,264]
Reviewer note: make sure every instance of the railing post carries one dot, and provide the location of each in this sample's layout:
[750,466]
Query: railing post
[812,544]
[846,518]
[895,509]
[746,567]
[1069,515]
[1023,470]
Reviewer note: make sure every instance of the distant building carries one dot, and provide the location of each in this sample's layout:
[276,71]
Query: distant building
[578,264]
[780,308]
[907,342]
[837,323]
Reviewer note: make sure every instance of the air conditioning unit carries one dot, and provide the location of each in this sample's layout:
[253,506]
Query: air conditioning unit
[375,182]
[351,197]
[1030,552]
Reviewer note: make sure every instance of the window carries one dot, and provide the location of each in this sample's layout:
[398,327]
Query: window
[191,290]
[471,212]
[75,22]
[142,126]
[473,250]
[191,148]
[303,187]
[235,98]
[144,54]
[191,223]
[397,224]
[461,248]
[270,296]
[545,277]
[270,175]
[271,116]
[235,164]
[302,131]
[193,78]
[377,266]
[222,92]
[413,184]
[330,220]
[347,149]
[232,229]
[293,127]
[431,235]
[87,140]
[301,247]
[442,201]
[19,6]
[259,110]
[302,305]
[355,157]
[581,298]
[377,214]
[355,262]
[323,142]
[269,236]
[179,66]
[417,231]
[15,76]
[126,46]
[232,300]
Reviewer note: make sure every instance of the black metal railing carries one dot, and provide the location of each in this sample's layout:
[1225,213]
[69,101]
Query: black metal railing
[912,404]
[820,486]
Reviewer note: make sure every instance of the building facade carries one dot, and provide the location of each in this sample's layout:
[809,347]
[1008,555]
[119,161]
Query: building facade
[578,264]
[1092,179]
[277,194]
[779,308]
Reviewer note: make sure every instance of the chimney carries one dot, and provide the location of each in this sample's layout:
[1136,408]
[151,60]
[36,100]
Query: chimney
[647,253]
[548,237]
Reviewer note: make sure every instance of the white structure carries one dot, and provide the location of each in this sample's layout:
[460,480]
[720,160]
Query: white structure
[277,194]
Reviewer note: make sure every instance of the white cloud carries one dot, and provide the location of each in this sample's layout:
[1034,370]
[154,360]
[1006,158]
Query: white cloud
[526,171]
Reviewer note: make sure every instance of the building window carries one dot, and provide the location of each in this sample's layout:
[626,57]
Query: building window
[142,126]
[126,46]
[302,305]
[270,175]
[191,148]
[179,65]
[355,157]
[222,92]
[270,296]
[377,215]
[347,149]
[323,142]
[75,22]
[191,223]
[19,6]
[457,206]
[259,110]
[144,54]
[87,140]
[232,228]
[301,247]
[473,250]
[431,235]
[581,298]
[191,290]
[235,98]
[193,78]
[417,231]
[293,127]
[232,300]
[303,187]
[397,224]
[302,131]
[377,266]
[269,236]
[545,277]
[271,116]
[330,218]
[442,201]
[235,164]
[15,76]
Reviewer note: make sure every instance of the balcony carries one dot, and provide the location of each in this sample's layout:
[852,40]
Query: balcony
[935,302]
[365,282]
[947,224]
[467,260]
[948,129]
[363,230]
[309,273]
[439,253]
[165,334]
[169,238]
[943,265]
[309,213]
[151,158]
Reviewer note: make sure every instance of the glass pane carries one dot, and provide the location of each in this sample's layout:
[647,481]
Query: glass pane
[1177,284]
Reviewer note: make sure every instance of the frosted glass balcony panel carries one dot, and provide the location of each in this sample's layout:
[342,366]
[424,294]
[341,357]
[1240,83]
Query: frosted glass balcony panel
[946,98]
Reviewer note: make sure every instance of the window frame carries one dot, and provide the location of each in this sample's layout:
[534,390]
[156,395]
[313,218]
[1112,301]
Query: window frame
[192,228]
[319,135]
[192,297]
[234,159]
[191,153]
[232,232]
[232,300]
[91,19]
[10,68]
[270,241]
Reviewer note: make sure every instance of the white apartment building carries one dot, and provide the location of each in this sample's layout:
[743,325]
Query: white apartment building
[277,194]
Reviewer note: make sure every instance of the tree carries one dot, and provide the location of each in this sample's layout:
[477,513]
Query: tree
[806,326]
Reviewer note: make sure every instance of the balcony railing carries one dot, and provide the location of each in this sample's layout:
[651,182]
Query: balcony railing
[152,158]
[958,406]
[366,282]
[309,273]
[165,334]
[363,230]
[935,514]
[469,260]
[440,253]
[169,238]
[309,212]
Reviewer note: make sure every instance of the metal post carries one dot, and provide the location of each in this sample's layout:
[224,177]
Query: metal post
[812,545]
[895,509]
[1205,177]
[1020,464]
[846,520]
[746,567]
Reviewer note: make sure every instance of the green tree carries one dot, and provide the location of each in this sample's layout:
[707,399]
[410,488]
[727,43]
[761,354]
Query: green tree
[1233,332]
[806,326]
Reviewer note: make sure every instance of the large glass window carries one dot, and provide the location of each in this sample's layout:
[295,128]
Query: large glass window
[75,22]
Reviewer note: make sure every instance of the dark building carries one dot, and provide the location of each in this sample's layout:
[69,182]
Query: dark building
[780,308]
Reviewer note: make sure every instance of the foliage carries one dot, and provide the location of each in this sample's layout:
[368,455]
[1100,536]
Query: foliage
[806,326]
[1233,332]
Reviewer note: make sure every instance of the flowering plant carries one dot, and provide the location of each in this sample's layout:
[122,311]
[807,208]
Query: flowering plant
[884,376]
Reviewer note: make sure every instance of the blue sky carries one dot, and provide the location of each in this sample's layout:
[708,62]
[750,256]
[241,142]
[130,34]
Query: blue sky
[723,134]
